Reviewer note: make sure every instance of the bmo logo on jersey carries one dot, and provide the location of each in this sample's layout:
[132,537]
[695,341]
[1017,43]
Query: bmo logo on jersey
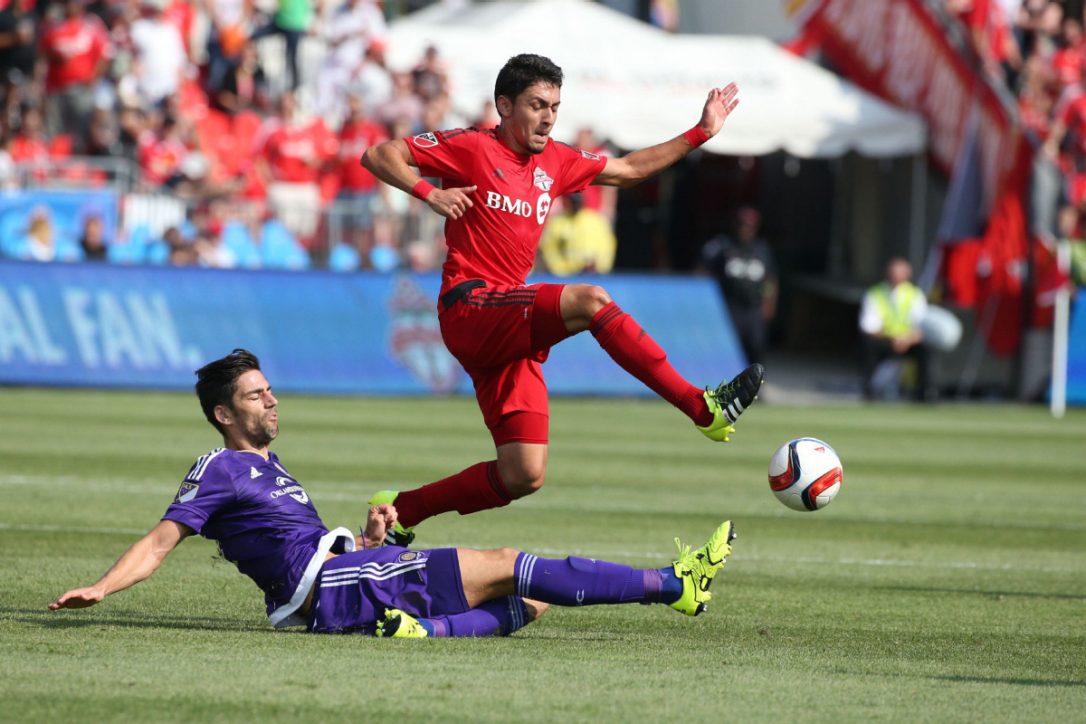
[519,207]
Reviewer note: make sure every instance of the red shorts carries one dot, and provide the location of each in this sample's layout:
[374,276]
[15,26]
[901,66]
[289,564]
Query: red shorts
[501,335]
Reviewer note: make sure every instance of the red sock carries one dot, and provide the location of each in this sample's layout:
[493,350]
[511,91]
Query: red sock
[637,353]
[477,488]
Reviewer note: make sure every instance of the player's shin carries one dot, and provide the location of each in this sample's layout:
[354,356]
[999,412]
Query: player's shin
[636,352]
[500,617]
[578,581]
[476,488]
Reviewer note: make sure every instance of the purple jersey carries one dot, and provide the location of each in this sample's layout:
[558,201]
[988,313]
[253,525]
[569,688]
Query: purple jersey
[263,521]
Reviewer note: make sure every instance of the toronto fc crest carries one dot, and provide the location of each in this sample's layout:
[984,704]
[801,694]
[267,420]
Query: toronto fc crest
[541,180]
[416,337]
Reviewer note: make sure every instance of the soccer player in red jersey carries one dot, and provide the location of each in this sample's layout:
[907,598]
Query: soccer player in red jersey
[497,187]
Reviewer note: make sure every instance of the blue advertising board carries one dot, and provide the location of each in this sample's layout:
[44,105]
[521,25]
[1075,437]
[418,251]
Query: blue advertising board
[1076,352]
[321,332]
[66,212]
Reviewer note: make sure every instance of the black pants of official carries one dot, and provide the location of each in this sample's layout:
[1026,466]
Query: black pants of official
[874,350]
[750,326]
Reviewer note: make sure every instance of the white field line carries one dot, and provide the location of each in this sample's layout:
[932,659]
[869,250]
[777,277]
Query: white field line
[616,553]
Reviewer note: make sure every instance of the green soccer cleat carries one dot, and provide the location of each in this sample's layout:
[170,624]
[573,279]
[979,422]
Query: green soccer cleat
[399,625]
[397,535]
[728,401]
[697,568]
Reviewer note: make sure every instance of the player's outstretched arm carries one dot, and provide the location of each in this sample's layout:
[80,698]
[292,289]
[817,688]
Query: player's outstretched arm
[137,563]
[393,163]
[635,167]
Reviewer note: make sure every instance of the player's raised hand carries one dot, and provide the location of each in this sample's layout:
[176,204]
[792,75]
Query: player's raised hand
[451,203]
[77,598]
[718,106]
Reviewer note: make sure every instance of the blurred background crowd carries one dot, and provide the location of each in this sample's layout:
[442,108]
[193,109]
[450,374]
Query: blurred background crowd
[228,133]
[1037,49]
[234,129]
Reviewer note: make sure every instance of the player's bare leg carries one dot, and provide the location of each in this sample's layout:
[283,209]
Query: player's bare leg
[522,467]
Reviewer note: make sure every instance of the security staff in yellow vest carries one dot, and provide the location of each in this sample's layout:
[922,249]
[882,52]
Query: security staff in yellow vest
[890,319]
[578,240]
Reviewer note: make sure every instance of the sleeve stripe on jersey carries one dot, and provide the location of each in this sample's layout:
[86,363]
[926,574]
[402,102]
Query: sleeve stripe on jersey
[458,132]
[200,466]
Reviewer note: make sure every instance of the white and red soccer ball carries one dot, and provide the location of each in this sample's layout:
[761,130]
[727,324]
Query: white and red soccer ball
[805,474]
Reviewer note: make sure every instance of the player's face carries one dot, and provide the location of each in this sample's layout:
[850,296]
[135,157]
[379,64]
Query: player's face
[532,115]
[254,417]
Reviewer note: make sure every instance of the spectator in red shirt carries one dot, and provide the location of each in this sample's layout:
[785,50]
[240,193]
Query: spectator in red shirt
[162,153]
[75,51]
[1067,60]
[291,153]
[989,33]
[30,146]
[358,188]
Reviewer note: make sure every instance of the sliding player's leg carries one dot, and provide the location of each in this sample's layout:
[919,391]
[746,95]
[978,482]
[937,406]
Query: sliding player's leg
[501,587]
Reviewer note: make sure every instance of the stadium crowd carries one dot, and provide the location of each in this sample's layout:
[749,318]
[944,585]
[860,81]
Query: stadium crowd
[254,113]
[193,100]
[1037,49]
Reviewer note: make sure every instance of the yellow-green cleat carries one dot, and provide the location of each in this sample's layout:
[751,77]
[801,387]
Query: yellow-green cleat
[399,625]
[397,535]
[697,569]
[728,401]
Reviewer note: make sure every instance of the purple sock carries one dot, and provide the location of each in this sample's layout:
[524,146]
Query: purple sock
[493,618]
[577,581]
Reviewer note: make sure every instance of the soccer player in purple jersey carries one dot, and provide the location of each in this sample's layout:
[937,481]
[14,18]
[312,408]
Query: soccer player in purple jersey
[331,581]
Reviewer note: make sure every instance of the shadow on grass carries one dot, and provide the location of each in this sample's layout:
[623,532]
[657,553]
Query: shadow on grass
[993,594]
[74,619]
[1013,682]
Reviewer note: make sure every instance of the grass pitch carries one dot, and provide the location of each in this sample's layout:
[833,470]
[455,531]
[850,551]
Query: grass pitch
[947,582]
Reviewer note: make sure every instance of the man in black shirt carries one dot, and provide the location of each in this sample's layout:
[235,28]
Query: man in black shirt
[747,274]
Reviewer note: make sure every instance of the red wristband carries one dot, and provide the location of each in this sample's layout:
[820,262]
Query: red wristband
[422,189]
[696,136]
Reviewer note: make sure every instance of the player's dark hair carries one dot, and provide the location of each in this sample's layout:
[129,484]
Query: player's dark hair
[523,70]
[216,382]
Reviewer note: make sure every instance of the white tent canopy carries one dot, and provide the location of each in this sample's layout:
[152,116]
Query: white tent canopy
[637,86]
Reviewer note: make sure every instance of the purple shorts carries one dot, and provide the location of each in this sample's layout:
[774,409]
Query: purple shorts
[354,589]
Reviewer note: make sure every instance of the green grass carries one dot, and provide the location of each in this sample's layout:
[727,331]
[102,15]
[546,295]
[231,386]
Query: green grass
[946,583]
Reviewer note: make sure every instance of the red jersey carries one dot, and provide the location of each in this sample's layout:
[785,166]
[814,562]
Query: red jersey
[74,48]
[496,239]
[354,139]
[292,150]
[1067,62]
[160,158]
[1073,117]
